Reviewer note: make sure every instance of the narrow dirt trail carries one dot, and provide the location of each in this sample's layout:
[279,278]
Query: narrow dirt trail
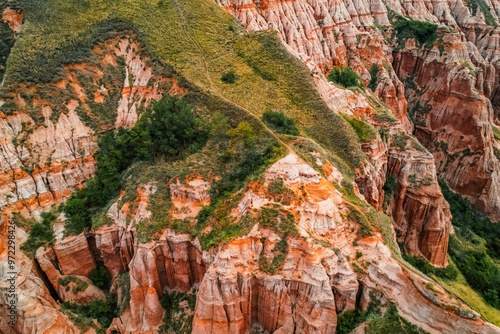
[213,90]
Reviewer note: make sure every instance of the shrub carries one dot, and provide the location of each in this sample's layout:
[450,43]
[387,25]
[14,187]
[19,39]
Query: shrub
[100,278]
[450,272]
[347,321]
[176,319]
[392,322]
[345,77]
[80,285]
[229,77]
[83,315]
[364,131]
[124,286]
[41,234]
[280,250]
[424,33]
[280,123]
[374,78]
[389,189]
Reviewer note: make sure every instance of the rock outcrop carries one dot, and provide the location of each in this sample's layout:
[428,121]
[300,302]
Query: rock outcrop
[454,118]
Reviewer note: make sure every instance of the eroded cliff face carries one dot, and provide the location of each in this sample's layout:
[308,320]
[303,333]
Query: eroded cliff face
[326,267]
[37,310]
[47,144]
[454,116]
[323,34]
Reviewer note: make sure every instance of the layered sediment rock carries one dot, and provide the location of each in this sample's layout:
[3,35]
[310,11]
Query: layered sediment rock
[454,118]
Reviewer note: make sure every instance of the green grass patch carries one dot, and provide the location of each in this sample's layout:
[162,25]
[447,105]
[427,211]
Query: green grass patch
[80,285]
[40,234]
[363,130]
[345,77]
[496,132]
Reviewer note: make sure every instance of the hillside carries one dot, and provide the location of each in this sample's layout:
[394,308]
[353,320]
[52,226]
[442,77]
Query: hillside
[244,167]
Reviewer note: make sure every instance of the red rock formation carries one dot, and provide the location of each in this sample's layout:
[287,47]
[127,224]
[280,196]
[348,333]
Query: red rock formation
[42,161]
[36,309]
[420,212]
[310,38]
[454,120]
[13,18]
[74,256]
[232,297]
[173,262]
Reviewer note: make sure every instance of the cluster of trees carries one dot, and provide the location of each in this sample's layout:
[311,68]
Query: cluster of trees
[168,129]
[279,122]
[345,77]
[424,33]
[41,234]
[450,272]
[102,310]
[479,271]
[475,263]
[374,77]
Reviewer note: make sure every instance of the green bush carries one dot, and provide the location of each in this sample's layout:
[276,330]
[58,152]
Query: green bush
[83,315]
[80,286]
[279,253]
[424,33]
[280,221]
[392,322]
[450,272]
[347,321]
[124,286]
[40,234]
[100,278]
[365,131]
[280,123]
[374,77]
[176,319]
[345,77]
[389,188]
[229,77]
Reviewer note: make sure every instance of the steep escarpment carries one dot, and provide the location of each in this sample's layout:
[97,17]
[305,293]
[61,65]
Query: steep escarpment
[453,117]
[292,274]
[49,133]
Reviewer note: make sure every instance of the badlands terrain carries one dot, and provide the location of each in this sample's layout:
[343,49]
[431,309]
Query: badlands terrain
[240,166]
